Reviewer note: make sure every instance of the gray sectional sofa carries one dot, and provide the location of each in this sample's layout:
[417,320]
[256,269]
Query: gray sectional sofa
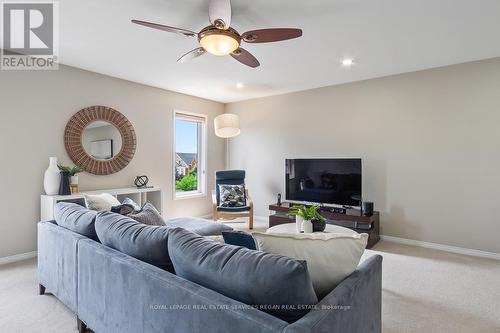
[112,292]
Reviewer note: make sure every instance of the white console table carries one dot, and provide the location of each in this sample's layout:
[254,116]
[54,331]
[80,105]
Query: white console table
[153,195]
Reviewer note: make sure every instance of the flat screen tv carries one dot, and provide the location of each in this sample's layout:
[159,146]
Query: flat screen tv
[335,182]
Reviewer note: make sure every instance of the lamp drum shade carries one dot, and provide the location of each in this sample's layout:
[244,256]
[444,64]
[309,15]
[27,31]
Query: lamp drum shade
[227,125]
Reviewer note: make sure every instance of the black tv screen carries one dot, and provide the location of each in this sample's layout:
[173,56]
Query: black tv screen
[324,181]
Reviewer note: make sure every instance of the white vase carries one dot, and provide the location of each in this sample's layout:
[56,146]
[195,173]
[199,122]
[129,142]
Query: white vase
[298,223]
[307,226]
[74,180]
[52,177]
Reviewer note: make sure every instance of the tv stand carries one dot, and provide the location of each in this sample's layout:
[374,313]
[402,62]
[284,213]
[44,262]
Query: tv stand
[352,219]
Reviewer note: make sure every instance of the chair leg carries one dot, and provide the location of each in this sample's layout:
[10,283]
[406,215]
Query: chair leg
[82,328]
[41,290]
[250,220]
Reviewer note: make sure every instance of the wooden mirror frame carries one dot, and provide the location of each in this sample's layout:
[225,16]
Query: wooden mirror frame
[76,151]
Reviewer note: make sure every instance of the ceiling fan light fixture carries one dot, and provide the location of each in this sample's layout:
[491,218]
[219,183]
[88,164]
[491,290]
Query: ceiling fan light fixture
[220,42]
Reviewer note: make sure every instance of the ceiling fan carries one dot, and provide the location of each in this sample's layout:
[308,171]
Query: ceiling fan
[221,40]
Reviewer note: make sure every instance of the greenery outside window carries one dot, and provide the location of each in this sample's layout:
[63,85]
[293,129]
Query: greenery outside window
[189,155]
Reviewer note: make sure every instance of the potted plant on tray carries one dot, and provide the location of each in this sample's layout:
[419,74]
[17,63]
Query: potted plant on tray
[308,219]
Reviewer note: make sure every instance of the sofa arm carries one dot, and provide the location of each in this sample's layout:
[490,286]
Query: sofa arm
[57,262]
[354,306]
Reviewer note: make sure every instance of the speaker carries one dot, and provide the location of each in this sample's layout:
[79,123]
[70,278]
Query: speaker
[367,208]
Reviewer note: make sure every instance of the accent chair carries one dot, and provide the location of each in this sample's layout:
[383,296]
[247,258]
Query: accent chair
[231,177]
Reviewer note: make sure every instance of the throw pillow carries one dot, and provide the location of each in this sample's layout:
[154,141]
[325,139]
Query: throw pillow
[101,202]
[232,195]
[132,203]
[275,284]
[76,218]
[123,209]
[330,257]
[147,215]
[239,238]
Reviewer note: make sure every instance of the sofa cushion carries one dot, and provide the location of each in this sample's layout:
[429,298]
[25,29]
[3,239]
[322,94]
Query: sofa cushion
[200,226]
[275,284]
[76,218]
[100,202]
[330,257]
[141,241]
[233,209]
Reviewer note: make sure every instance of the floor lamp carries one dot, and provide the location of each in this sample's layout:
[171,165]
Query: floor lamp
[227,126]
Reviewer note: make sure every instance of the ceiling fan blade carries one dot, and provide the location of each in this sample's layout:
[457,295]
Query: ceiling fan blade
[166,28]
[270,35]
[191,55]
[245,58]
[219,12]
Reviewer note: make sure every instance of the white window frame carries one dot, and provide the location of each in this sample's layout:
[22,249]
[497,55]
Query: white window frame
[202,156]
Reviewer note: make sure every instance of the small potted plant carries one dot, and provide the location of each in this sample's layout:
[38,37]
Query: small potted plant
[297,211]
[68,176]
[309,218]
[72,173]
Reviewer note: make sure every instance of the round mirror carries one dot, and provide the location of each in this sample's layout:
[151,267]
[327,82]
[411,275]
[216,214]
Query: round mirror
[102,140]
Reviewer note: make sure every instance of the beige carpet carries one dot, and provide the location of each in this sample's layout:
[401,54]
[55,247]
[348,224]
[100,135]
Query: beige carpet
[424,291]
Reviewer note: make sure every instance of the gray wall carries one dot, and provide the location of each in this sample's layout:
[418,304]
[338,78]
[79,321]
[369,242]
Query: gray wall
[35,107]
[430,144]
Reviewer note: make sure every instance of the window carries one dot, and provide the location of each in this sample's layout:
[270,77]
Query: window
[189,155]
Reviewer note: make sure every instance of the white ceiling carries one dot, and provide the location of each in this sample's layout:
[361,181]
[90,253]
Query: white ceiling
[384,37]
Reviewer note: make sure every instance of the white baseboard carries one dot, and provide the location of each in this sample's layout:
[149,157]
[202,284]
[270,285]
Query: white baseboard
[441,247]
[17,257]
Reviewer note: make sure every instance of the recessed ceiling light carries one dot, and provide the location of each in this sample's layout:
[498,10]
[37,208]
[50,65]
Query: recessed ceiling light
[240,85]
[347,62]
